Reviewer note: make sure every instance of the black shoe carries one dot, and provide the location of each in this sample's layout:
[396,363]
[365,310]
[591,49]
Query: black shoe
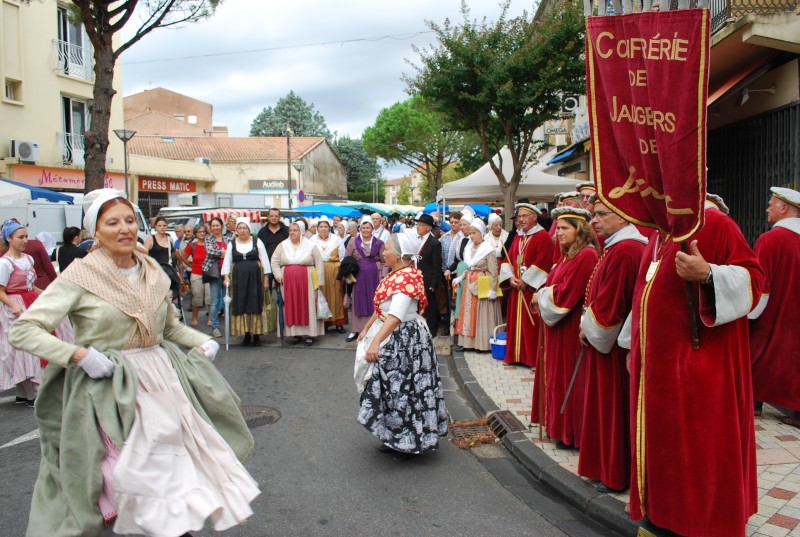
[352,337]
[246,340]
[256,342]
[340,329]
[605,490]
[308,342]
[458,348]
[296,340]
[20,401]
[30,402]
[562,445]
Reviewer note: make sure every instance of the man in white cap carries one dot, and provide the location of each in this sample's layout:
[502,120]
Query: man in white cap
[773,347]
[605,438]
[585,192]
[529,260]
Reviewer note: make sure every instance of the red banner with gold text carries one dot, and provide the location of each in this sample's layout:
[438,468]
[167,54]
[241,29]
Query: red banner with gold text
[647,80]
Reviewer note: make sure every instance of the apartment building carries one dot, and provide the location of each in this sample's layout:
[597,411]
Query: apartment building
[46,66]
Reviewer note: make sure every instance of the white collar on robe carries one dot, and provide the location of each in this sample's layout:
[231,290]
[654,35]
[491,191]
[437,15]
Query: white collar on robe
[296,254]
[532,231]
[792,224]
[472,255]
[628,233]
[327,247]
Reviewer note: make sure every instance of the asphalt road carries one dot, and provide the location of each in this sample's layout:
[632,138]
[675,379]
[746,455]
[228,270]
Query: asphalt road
[320,471]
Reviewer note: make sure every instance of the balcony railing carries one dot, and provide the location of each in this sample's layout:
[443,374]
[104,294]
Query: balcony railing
[73,60]
[723,11]
[72,148]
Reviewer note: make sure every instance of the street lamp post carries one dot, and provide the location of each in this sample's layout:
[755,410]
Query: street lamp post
[299,167]
[412,187]
[289,163]
[125,135]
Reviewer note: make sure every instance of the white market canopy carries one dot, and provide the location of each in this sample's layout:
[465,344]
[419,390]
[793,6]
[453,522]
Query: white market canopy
[482,185]
[11,193]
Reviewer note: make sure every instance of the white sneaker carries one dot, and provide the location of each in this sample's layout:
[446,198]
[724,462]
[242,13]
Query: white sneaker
[216,333]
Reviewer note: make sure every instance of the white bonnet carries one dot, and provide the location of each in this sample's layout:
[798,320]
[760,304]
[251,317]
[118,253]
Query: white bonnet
[92,203]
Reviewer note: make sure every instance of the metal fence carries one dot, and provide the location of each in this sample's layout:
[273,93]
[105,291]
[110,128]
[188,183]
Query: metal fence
[747,158]
[723,11]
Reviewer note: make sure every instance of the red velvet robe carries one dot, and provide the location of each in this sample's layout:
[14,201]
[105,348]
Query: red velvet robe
[694,461]
[561,306]
[605,439]
[774,348]
[522,330]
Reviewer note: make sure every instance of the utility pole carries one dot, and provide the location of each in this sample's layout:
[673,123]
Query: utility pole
[289,163]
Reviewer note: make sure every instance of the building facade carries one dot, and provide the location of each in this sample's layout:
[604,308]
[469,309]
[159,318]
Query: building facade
[47,69]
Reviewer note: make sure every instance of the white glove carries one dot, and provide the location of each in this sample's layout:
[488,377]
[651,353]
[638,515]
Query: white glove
[457,281]
[210,349]
[492,295]
[97,365]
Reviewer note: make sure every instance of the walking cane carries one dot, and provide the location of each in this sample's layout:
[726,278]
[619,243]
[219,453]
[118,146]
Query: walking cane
[227,300]
[572,380]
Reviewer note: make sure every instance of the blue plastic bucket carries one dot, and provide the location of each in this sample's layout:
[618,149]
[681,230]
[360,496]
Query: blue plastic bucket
[498,343]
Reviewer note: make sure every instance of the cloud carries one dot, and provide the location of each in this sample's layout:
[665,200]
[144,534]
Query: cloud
[251,53]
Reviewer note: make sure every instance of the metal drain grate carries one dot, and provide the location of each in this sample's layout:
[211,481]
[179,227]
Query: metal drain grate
[503,422]
[466,434]
[259,416]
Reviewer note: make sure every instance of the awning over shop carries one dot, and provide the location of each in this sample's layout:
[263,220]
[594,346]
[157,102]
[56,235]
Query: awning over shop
[254,215]
[566,154]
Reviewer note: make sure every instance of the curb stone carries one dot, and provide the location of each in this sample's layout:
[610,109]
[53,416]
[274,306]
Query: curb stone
[601,507]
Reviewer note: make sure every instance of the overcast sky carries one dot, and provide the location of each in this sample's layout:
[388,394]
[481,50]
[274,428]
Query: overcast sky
[346,57]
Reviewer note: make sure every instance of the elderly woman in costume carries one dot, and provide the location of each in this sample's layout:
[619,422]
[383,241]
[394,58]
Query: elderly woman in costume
[297,265]
[560,304]
[132,429]
[244,270]
[480,310]
[368,253]
[496,236]
[402,402]
[18,368]
[328,244]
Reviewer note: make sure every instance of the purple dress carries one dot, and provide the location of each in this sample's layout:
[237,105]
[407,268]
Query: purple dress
[369,276]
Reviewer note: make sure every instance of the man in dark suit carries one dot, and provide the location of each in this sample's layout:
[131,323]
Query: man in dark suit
[429,262]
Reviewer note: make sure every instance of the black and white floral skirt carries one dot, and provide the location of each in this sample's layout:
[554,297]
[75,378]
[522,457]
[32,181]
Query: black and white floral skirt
[402,404]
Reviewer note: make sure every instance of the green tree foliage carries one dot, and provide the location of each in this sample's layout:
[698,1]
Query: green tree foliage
[360,167]
[411,132]
[292,109]
[404,192]
[102,20]
[502,80]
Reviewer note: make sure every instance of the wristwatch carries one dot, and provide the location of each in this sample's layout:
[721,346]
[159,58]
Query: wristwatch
[708,280]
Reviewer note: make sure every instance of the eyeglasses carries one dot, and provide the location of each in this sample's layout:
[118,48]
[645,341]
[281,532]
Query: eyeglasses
[585,197]
[602,214]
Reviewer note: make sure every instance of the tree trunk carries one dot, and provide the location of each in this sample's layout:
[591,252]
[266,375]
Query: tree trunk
[96,138]
[509,200]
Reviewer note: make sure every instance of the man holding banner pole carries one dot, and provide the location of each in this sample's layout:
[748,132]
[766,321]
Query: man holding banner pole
[694,465]
[526,267]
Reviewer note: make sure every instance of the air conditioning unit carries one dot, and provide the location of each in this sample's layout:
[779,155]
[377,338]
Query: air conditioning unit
[203,160]
[25,150]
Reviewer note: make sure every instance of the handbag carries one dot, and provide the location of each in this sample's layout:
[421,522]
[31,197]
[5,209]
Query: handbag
[323,310]
[212,273]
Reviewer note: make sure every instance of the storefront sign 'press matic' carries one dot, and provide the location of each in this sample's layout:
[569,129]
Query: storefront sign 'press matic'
[151,184]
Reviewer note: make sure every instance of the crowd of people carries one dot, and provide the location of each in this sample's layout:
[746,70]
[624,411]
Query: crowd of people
[596,305]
